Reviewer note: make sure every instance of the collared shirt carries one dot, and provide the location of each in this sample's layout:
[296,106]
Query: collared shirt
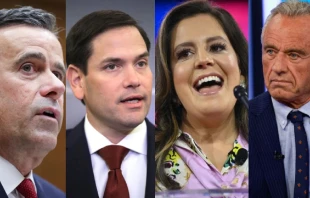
[187,165]
[11,178]
[134,165]
[287,140]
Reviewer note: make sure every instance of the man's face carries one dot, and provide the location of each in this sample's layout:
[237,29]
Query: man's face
[286,59]
[118,86]
[31,88]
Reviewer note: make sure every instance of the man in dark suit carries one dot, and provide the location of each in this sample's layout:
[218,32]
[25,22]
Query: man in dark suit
[108,69]
[279,149]
[32,76]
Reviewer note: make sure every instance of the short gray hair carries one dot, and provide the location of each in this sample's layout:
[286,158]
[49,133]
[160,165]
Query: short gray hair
[30,16]
[290,8]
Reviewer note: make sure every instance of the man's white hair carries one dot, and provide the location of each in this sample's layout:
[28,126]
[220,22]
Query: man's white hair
[289,8]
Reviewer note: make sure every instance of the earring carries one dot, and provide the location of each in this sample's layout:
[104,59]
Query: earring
[242,84]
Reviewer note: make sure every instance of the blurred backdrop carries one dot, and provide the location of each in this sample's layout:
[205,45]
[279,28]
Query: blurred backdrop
[237,8]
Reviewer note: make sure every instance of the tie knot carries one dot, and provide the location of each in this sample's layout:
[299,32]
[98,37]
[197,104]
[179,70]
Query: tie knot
[113,155]
[26,188]
[295,116]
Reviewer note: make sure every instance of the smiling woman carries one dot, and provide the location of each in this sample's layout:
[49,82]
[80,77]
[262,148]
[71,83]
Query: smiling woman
[201,128]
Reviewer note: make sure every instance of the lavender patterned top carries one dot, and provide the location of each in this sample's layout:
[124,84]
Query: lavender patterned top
[189,166]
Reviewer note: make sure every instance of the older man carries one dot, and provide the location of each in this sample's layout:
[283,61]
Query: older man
[32,73]
[279,119]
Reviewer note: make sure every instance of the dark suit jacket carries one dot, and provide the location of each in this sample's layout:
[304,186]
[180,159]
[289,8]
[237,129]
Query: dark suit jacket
[266,174]
[80,177]
[44,189]
[2,192]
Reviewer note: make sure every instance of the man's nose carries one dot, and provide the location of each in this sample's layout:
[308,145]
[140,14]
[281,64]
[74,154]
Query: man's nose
[131,77]
[280,64]
[52,86]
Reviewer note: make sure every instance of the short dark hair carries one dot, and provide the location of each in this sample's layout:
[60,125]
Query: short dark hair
[79,46]
[28,16]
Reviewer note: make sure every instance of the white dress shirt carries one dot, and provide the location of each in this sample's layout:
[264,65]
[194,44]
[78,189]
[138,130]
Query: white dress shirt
[134,164]
[10,178]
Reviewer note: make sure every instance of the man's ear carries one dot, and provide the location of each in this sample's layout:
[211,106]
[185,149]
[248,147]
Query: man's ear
[76,79]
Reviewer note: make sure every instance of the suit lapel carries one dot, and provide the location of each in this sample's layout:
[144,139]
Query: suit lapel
[266,138]
[80,177]
[40,191]
[2,192]
[40,188]
[150,176]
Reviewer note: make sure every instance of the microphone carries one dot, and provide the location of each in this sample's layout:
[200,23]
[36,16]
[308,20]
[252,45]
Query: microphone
[278,156]
[241,156]
[241,95]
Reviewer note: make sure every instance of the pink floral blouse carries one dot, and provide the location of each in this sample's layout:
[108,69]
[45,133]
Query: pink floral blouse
[189,166]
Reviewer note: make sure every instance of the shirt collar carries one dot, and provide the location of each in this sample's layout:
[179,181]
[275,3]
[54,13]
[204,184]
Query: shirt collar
[192,142]
[11,177]
[305,109]
[136,140]
[244,144]
[282,111]
[186,141]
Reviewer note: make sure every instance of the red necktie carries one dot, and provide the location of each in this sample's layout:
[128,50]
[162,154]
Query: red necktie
[26,188]
[116,187]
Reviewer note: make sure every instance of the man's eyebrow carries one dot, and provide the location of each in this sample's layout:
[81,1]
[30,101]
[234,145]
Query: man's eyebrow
[299,51]
[30,55]
[269,46]
[143,55]
[120,60]
[289,50]
[111,59]
[39,56]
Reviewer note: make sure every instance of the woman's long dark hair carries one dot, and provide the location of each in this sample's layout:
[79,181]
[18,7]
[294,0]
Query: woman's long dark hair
[168,112]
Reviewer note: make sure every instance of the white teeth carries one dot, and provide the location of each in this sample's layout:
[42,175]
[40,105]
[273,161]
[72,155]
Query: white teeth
[132,101]
[49,112]
[209,78]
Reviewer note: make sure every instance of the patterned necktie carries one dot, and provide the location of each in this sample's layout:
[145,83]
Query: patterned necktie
[302,155]
[116,186]
[26,188]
